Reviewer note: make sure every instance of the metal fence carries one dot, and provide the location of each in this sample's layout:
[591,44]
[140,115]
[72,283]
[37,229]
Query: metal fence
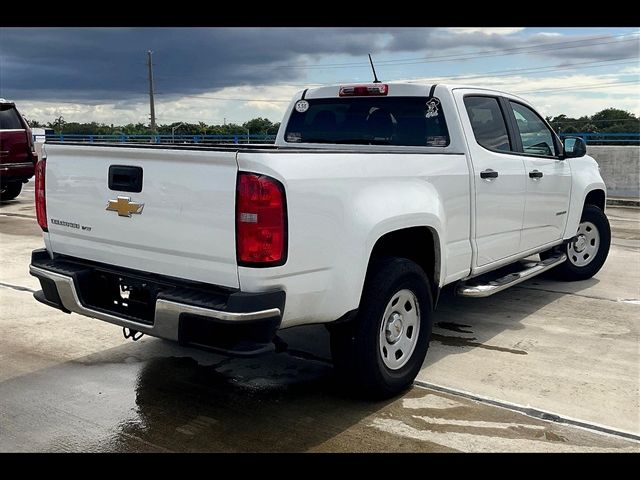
[606,138]
[589,138]
[171,139]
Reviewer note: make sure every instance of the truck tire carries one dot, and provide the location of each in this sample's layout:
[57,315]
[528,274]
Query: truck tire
[10,190]
[380,352]
[587,254]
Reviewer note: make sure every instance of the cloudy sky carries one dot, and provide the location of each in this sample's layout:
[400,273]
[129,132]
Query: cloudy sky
[212,74]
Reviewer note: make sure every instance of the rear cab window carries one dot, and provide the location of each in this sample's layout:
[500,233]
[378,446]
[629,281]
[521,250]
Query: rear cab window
[9,118]
[400,121]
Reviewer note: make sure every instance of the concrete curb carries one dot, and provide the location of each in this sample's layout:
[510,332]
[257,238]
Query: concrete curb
[623,202]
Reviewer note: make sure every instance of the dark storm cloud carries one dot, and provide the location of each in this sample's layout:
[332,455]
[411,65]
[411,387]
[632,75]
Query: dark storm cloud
[583,47]
[109,64]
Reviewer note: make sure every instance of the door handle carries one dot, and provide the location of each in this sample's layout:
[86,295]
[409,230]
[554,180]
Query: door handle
[535,174]
[488,173]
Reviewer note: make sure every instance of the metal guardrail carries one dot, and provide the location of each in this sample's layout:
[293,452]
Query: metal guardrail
[606,138]
[171,139]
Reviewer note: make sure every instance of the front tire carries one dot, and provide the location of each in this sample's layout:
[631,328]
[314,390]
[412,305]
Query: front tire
[587,254]
[381,351]
[10,190]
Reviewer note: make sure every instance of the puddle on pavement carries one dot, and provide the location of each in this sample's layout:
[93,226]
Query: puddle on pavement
[19,288]
[469,342]
[10,225]
[454,327]
[456,341]
[273,403]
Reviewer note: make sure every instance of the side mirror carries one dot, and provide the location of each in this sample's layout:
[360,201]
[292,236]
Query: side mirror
[574,147]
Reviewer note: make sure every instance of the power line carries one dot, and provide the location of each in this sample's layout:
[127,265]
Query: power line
[527,48]
[233,99]
[478,52]
[597,121]
[461,56]
[288,100]
[516,92]
[581,87]
[550,68]
[497,73]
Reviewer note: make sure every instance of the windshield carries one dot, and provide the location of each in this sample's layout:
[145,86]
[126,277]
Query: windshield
[409,121]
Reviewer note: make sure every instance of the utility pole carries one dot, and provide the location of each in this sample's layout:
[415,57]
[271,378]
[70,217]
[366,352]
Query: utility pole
[152,106]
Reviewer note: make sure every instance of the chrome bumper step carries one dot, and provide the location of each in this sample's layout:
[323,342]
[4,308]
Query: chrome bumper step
[531,269]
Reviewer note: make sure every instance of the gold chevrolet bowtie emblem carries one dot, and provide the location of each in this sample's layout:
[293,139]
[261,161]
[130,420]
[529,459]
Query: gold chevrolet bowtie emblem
[124,206]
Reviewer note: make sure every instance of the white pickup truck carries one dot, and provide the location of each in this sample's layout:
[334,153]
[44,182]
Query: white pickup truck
[373,198]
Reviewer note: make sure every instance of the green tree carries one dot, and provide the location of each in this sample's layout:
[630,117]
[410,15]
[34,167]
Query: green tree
[258,125]
[616,120]
[33,123]
[58,124]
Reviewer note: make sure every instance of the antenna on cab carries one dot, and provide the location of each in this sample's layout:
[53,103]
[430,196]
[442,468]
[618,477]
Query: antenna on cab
[375,77]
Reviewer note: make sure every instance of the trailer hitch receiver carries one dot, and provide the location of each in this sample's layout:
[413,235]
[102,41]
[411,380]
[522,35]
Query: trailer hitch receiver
[134,335]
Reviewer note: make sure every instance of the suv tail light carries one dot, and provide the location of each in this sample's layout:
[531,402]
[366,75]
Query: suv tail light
[261,221]
[32,146]
[30,141]
[375,90]
[41,199]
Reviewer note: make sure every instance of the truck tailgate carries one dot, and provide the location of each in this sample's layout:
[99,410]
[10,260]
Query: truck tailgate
[186,228]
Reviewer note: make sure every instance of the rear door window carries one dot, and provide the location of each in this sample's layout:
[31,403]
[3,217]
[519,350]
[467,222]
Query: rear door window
[9,119]
[408,121]
[488,123]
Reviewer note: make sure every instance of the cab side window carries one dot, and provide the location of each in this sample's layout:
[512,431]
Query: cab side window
[537,138]
[487,122]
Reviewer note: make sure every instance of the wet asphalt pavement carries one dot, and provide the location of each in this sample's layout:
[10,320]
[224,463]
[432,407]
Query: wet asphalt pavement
[69,383]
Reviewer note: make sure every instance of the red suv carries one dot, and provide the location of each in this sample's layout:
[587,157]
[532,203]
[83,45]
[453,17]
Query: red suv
[18,156]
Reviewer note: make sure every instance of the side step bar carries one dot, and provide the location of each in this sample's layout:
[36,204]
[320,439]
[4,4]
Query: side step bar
[531,270]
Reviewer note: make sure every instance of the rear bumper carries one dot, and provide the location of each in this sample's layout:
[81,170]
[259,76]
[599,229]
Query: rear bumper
[11,172]
[192,314]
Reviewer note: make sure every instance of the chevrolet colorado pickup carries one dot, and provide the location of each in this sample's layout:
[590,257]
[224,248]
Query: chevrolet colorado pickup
[373,198]
[18,155]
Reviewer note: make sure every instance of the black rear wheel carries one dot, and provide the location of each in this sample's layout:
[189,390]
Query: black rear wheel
[381,351]
[9,191]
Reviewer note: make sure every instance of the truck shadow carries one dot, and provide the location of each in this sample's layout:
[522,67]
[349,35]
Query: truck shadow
[461,324]
[274,404]
[466,323]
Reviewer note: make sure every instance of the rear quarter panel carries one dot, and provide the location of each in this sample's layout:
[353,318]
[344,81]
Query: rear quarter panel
[340,204]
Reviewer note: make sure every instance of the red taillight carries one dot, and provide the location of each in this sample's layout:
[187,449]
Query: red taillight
[41,199]
[261,230]
[32,147]
[374,90]
[30,142]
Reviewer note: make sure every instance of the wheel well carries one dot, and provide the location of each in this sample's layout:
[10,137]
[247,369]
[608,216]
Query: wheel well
[595,197]
[418,244]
